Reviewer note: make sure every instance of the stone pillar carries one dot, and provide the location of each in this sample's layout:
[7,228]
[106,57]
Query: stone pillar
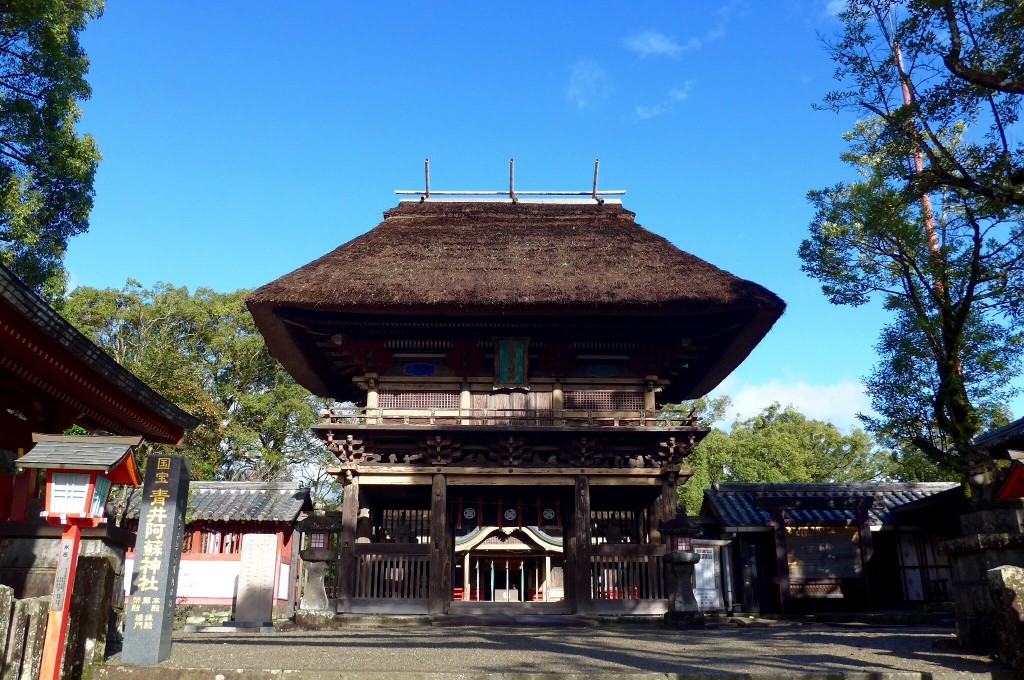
[582,548]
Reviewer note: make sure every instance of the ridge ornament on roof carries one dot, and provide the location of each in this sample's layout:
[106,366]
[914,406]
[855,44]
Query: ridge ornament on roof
[514,197]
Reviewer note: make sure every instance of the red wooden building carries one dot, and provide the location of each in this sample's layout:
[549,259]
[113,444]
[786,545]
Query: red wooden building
[53,377]
[507,361]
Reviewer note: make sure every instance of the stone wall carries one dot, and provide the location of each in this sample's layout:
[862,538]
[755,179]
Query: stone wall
[991,539]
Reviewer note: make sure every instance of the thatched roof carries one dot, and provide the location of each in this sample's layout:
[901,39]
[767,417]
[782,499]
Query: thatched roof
[483,256]
[554,260]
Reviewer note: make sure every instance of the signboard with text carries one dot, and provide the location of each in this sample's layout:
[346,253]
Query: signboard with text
[150,608]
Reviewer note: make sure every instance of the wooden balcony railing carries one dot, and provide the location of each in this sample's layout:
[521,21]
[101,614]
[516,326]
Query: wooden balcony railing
[563,418]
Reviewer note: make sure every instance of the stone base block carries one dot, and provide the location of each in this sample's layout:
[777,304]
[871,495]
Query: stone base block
[309,618]
[1006,593]
[683,619]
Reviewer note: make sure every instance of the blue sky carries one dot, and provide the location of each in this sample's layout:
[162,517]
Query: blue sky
[242,140]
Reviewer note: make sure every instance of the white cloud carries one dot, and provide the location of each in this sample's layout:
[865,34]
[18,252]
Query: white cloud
[588,86]
[647,43]
[838,404]
[835,7]
[681,94]
[645,112]
[675,95]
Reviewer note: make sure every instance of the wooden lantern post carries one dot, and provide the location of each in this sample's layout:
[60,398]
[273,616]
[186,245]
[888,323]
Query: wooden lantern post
[82,472]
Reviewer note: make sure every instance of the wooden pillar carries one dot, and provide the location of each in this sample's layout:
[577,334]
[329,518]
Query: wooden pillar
[557,397]
[346,551]
[867,550]
[24,491]
[440,593]
[782,562]
[467,587]
[582,548]
[669,496]
[372,399]
[466,404]
[650,384]
[546,597]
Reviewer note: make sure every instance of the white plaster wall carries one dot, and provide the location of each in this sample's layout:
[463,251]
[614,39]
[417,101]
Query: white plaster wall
[284,581]
[199,578]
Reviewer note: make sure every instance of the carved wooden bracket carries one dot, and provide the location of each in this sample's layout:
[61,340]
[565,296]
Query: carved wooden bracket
[440,449]
[585,451]
[510,450]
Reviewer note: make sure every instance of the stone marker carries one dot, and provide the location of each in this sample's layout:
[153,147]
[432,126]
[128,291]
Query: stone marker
[254,602]
[149,615]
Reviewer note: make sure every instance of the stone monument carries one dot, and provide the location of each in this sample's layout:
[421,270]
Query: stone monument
[254,600]
[150,607]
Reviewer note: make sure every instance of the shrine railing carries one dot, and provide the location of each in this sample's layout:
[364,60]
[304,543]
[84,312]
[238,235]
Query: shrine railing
[627,572]
[392,571]
[656,419]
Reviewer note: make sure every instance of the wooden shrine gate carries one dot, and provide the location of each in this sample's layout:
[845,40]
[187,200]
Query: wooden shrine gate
[470,548]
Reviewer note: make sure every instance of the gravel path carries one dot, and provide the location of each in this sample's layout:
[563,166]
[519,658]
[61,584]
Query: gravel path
[628,649]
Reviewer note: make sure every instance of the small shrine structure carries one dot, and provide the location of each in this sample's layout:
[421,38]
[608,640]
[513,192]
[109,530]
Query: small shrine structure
[498,367]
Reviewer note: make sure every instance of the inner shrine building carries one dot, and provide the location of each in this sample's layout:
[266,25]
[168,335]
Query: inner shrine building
[499,370]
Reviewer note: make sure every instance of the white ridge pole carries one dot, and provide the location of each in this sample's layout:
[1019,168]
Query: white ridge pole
[426,172]
[512,179]
[597,164]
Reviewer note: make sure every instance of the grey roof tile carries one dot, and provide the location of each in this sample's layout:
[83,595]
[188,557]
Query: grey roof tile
[734,505]
[82,455]
[241,502]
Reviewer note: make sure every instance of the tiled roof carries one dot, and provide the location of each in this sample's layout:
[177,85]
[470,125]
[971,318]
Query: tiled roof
[735,505]
[241,501]
[76,452]
[999,441]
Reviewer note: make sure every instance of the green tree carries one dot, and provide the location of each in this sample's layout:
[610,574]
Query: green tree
[203,352]
[46,167]
[779,444]
[932,227]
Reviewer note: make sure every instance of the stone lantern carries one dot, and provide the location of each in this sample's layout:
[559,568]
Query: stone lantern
[682,605]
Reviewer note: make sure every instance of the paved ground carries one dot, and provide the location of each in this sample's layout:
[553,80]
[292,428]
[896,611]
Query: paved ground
[781,648]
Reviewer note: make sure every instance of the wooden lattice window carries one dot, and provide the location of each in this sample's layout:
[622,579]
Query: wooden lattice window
[220,543]
[419,400]
[604,400]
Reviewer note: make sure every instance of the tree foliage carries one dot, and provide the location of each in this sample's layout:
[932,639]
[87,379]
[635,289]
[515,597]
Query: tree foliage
[46,167]
[932,227]
[202,351]
[779,444]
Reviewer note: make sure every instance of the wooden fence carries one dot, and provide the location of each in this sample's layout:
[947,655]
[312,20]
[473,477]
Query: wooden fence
[628,577]
[392,577]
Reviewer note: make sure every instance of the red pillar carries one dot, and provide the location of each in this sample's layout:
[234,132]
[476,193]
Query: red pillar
[60,603]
